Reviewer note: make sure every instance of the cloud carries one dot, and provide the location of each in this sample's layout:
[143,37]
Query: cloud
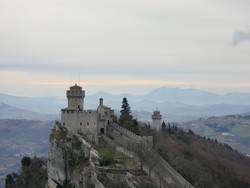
[241,35]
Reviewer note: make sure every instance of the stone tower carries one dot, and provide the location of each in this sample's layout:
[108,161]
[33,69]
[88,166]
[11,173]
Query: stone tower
[76,97]
[156,119]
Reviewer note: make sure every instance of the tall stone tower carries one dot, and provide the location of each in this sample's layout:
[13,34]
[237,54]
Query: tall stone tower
[156,119]
[76,97]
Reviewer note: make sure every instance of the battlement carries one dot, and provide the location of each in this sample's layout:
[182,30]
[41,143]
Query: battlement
[147,140]
[75,97]
[126,131]
[72,111]
[156,115]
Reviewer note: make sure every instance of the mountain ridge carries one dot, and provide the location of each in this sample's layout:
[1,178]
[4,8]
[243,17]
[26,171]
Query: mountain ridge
[11,112]
[175,101]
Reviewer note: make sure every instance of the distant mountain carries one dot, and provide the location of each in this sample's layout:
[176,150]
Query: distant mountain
[170,101]
[189,96]
[46,105]
[196,97]
[10,112]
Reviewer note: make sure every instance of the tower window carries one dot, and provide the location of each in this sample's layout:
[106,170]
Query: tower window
[87,123]
[80,123]
[102,130]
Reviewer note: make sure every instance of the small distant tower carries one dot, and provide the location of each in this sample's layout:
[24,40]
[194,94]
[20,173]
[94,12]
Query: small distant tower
[101,102]
[156,119]
[75,97]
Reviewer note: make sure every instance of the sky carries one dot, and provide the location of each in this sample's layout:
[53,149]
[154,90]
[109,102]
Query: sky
[131,46]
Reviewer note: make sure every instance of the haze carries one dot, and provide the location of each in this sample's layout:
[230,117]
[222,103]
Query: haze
[123,46]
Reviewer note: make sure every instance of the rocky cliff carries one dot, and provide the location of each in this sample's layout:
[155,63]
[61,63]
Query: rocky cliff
[68,160]
[73,162]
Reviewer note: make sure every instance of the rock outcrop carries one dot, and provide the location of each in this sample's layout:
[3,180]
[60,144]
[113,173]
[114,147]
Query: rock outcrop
[68,160]
[72,162]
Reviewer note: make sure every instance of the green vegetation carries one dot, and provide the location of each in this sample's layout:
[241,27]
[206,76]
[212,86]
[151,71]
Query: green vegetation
[203,162]
[107,155]
[21,138]
[141,182]
[111,156]
[70,145]
[110,184]
[66,184]
[241,130]
[233,130]
[126,120]
[33,174]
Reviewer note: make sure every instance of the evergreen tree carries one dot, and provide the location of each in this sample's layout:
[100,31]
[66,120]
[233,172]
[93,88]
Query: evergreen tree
[125,116]
[126,119]
[126,110]
[163,125]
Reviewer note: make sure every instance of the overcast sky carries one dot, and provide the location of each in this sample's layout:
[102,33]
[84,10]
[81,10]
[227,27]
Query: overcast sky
[130,46]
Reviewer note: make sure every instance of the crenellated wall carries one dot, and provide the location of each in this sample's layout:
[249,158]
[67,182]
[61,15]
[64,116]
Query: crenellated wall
[84,122]
[142,147]
[127,138]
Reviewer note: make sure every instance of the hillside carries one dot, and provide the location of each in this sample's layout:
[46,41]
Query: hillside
[203,162]
[44,105]
[233,130]
[11,112]
[20,138]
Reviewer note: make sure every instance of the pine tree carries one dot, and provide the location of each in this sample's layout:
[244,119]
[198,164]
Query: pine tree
[163,125]
[126,119]
[126,110]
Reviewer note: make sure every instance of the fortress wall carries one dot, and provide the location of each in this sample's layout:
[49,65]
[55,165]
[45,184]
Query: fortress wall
[142,146]
[128,139]
[81,121]
[168,177]
[69,119]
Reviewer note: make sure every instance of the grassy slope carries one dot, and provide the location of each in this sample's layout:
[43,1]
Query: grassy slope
[233,130]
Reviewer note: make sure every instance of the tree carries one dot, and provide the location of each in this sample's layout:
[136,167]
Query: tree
[25,162]
[33,174]
[9,181]
[126,119]
[163,125]
[126,110]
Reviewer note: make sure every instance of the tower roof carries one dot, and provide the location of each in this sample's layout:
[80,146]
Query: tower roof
[75,86]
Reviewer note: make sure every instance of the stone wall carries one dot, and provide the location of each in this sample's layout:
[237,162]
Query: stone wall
[162,172]
[81,121]
[127,138]
[141,147]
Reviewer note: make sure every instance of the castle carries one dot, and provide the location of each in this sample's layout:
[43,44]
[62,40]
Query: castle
[91,123]
[72,140]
